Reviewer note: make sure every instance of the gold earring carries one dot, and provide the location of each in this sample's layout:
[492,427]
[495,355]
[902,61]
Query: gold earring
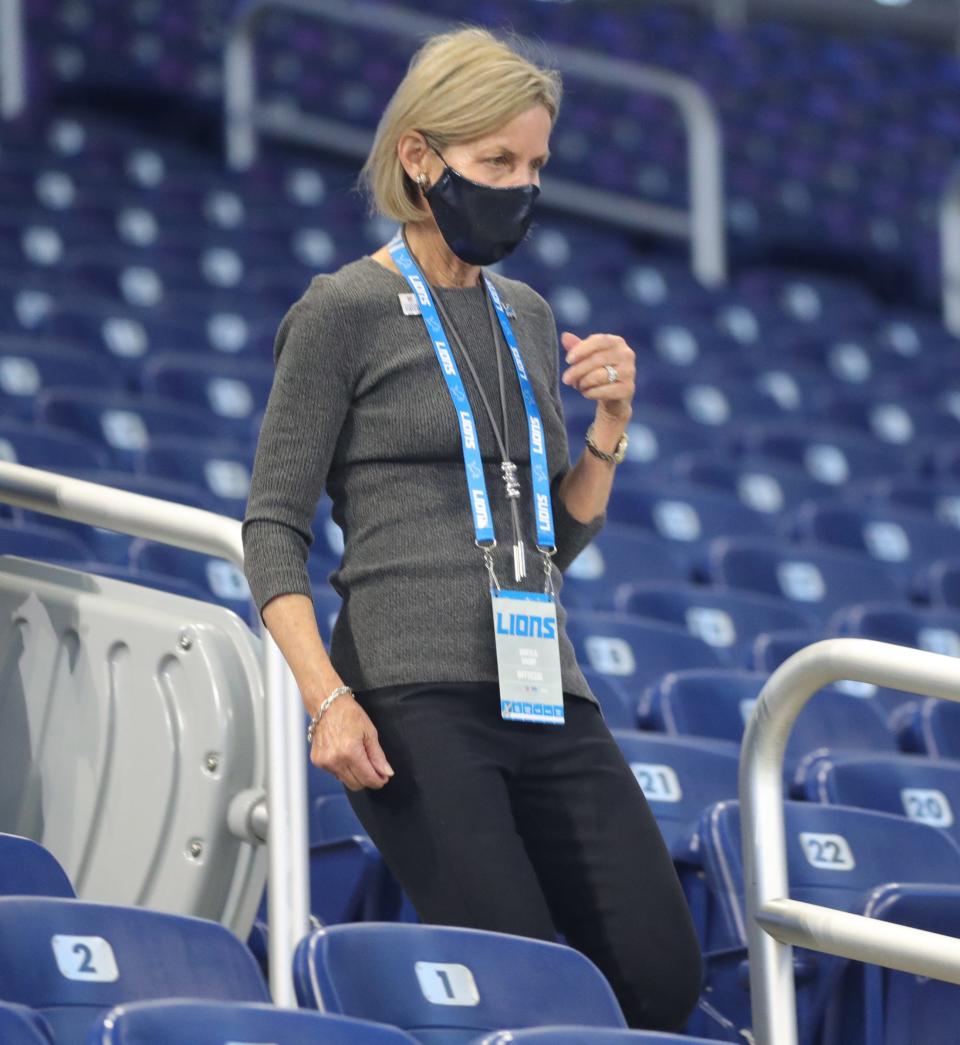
[422,183]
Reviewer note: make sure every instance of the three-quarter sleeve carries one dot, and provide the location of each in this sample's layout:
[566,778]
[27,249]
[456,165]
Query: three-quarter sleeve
[309,399]
[572,536]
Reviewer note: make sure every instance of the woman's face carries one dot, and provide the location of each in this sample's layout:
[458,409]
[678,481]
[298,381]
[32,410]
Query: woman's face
[513,155]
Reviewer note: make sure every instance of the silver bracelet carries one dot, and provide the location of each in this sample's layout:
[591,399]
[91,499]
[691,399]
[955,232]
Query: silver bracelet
[340,691]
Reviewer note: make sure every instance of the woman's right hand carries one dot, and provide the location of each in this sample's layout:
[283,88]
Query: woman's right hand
[345,743]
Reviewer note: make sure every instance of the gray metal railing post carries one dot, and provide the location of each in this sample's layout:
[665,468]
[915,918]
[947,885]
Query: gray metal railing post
[775,922]
[13,62]
[704,224]
[205,532]
[950,251]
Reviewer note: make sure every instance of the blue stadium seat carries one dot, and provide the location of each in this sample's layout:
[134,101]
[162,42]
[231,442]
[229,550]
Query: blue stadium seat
[760,483]
[938,498]
[449,985]
[28,366]
[713,404]
[836,855]
[903,542]
[618,555]
[933,630]
[618,706]
[680,777]
[811,298]
[941,583]
[20,1025]
[931,727]
[728,621]
[45,446]
[771,649]
[704,703]
[831,456]
[102,956]
[34,541]
[122,422]
[588,1036]
[220,581]
[635,653]
[27,869]
[923,789]
[687,516]
[898,1008]
[218,469]
[896,420]
[232,390]
[216,1023]
[349,881]
[854,363]
[818,579]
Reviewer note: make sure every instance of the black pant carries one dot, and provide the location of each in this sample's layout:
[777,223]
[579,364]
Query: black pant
[531,829]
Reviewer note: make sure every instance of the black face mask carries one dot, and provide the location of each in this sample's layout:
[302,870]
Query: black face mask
[480,223]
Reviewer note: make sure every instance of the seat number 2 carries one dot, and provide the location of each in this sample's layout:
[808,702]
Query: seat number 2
[85,958]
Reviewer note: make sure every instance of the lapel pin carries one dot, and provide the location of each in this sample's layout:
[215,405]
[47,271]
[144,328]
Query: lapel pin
[409,304]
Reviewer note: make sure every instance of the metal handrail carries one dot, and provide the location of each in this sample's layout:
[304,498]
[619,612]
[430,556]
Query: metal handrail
[245,116]
[950,251]
[13,64]
[206,532]
[774,922]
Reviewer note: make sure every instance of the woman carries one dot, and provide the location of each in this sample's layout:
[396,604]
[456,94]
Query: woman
[425,399]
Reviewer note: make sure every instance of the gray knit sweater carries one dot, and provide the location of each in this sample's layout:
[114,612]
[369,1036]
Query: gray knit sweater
[359,406]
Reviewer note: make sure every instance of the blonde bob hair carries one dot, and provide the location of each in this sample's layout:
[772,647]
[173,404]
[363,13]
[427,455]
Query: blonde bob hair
[460,86]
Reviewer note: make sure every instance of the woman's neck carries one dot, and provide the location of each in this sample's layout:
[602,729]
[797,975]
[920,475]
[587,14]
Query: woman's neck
[436,260]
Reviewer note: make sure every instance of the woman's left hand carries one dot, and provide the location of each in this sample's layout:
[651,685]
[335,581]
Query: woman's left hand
[588,359]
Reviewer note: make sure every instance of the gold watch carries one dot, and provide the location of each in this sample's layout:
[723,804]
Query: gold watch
[619,451]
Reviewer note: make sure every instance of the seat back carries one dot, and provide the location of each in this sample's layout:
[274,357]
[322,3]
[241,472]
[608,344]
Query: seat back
[216,1023]
[71,960]
[835,856]
[618,706]
[618,554]
[728,621]
[932,727]
[431,979]
[27,869]
[588,1036]
[900,540]
[635,653]
[923,789]
[718,704]
[20,1025]
[899,1008]
[934,630]
[680,777]
[819,580]
[129,720]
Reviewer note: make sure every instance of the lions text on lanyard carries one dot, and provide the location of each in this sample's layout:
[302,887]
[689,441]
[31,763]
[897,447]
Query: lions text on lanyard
[525,623]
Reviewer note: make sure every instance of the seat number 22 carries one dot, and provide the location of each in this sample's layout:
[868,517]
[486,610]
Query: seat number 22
[827,852]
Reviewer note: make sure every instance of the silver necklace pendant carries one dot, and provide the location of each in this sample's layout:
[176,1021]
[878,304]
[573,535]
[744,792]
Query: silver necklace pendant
[509,471]
[519,561]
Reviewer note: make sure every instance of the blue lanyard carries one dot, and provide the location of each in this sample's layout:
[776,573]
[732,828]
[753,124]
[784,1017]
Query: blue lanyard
[473,462]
